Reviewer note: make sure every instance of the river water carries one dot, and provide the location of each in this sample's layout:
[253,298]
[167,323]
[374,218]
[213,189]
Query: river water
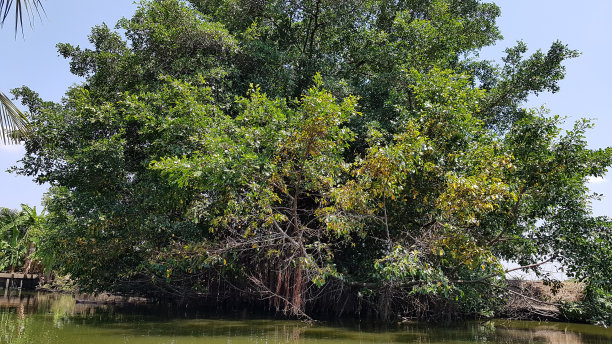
[65,319]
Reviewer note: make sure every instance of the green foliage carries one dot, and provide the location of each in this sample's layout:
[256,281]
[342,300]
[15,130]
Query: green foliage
[288,148]
[595,306]
[20,231]
[162,39]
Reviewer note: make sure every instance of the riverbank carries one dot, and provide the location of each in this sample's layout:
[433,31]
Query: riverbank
[59,318]
[536,300]
[527,300]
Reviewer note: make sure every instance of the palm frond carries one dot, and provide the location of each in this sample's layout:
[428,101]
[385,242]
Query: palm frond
[14,124]
[30,7]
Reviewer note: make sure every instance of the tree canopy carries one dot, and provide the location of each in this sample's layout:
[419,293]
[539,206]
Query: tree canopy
[324,156]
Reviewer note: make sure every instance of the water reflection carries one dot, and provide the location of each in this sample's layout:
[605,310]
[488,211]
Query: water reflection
[543,336]
[533,332]
[54,318]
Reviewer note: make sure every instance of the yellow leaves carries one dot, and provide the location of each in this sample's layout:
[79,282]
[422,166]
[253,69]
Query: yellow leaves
[273,253]
[414,193]
[437,251]
[514,196]
[352,197]
[318,80]
[464,251]
[466,199]
[377,165]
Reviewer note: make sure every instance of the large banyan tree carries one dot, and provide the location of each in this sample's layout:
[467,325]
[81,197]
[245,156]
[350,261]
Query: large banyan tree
[315,157]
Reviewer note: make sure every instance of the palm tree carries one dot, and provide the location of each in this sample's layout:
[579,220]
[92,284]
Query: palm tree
[12,120]
[31,7]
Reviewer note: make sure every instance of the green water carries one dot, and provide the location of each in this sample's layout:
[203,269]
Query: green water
[52,318]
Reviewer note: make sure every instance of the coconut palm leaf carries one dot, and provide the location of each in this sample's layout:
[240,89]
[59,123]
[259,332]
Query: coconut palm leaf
[30,7]
[13,123]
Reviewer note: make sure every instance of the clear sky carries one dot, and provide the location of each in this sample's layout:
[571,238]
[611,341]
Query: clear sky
[585,92]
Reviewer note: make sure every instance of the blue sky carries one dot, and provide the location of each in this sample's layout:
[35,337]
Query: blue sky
[585,92]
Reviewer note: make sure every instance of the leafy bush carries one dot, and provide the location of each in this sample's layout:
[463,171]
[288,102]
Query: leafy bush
[595,306]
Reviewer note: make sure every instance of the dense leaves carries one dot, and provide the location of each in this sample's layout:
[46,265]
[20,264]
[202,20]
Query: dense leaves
[20,231]
[313,154]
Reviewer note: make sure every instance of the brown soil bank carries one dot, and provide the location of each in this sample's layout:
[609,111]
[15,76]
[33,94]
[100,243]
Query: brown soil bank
[534,300]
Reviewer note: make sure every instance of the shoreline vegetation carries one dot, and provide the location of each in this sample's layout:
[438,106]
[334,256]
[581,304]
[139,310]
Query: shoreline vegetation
[529,300]
[313,158]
